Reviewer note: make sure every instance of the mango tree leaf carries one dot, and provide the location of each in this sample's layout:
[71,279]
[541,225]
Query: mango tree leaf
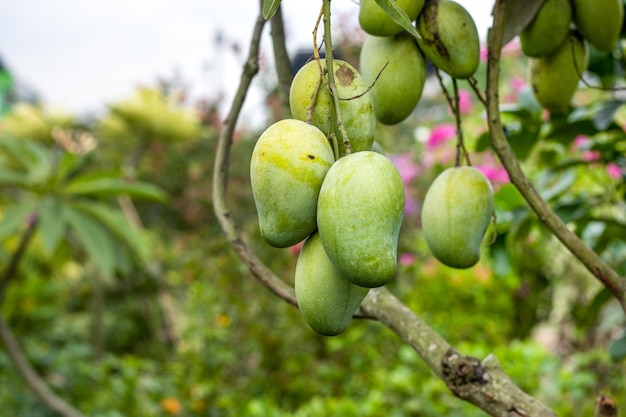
[269,8]
[29,156]
[52,223]
[15,178]
[118,226]
[617,348]
[14,217]
[518,14]
[93,237]
[110,187]
[68,165]
[604,116]
[399,16]
[552,184]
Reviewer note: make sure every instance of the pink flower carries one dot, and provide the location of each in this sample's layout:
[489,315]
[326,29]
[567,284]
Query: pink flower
[496,175]
[590,156]
[440,134]
[614,170]
[580,141]
[484,53]
[406,167]
[466,105]
[517,83]
[406,259]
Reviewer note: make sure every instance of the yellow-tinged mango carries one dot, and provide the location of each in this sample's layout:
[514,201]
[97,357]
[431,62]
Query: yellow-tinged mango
[289,163]
[326,300]
[548,29]
[355,103]
[398,88]
[449,37]
[599,21]
[374,20]
[555,78]
[359,214]
[456,212]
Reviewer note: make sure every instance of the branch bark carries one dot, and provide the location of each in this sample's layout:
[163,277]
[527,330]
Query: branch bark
[605,274]
[482,383]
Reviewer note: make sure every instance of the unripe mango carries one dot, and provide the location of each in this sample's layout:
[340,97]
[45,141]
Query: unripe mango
[554,78]
[449,37]
[374,20]
[326,300]
[456,212]
[355,104]
[289,163]
[548,29]
[399,87]
[599,21]
[359,214]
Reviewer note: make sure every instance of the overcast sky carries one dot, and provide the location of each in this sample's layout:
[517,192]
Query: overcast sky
[80,55]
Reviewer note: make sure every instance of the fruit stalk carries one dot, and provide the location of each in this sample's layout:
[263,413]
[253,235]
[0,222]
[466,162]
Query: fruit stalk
[328,42]
[605,274]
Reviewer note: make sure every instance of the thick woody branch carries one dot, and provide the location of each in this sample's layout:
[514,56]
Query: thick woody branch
[605,274]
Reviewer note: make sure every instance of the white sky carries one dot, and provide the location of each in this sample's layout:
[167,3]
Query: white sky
[80,55]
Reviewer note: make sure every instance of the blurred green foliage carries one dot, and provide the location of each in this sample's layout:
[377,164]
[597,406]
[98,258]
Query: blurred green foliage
[188,332]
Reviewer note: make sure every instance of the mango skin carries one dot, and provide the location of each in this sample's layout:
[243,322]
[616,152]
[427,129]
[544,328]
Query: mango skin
[357,114]
[359,213]
[326,300]
[599,21]
[555,78]
[449,37]
[399,87]
[374,21]
[548,29]
[288,164]
[456,212]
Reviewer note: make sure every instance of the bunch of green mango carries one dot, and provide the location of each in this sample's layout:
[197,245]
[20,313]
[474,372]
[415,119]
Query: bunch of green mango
[558,41]
[346,207]
[393,60]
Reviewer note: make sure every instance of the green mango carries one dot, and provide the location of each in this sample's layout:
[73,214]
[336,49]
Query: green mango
[326,300]
[374,20]
[449,38]
[548,29]
[288,164]
[398,88]
[456,212]
[599,21]
[555,78]
[355,105]
[359,213]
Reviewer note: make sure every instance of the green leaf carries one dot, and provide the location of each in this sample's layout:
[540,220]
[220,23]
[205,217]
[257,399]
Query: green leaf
[15,216]
[617,348]
[604,116]
[111,187]
[29,156]
[269,8]
[551,184]
[518,14]
[52,223]
[93,238]
[115,222]
[399,16]
[68,165]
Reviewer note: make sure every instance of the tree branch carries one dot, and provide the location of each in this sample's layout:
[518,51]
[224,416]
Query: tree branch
[220,176]
[35,382]
[609,278]
[282,62]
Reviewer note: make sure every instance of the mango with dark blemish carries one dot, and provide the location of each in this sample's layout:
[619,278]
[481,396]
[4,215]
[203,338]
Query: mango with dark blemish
[555,78]
[355,103]
[326,300]
[289,163]
[359,214]
[456,212]
[397,69]
[449,38]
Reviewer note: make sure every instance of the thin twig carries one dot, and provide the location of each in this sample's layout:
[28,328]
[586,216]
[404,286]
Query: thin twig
[479,94]
[11,269]
[460,144]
